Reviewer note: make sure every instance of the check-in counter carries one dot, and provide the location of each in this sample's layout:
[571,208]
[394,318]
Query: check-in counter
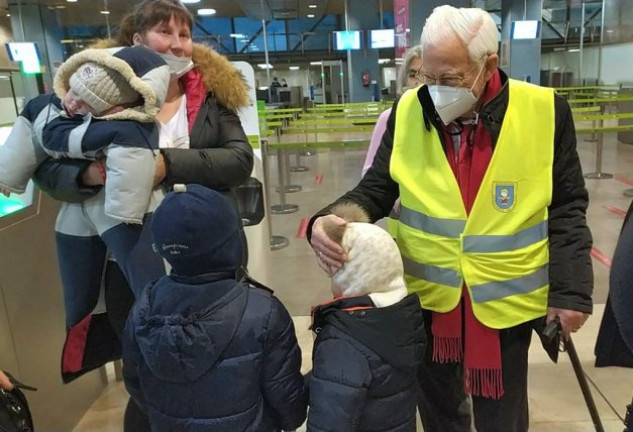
[32,328]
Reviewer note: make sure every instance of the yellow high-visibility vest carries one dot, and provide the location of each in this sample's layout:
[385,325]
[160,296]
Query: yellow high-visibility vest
[501,250]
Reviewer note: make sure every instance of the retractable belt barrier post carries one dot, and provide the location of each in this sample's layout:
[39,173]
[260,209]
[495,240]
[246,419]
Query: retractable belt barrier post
[282,169]
[598,174]
[276,242]
[298,167]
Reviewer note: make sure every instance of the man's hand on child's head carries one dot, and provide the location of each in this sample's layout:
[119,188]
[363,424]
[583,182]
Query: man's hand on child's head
[330,255]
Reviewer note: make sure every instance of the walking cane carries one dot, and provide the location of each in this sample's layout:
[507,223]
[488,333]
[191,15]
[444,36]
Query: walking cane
[554,329]
[628,420]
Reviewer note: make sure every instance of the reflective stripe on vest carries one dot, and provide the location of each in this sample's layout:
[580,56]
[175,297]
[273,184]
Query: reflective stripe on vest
[501,250]
[430,273]
[501,289]
[500,243]
[431,225]
[392,223]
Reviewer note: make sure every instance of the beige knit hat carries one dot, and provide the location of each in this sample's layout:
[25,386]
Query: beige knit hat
[101,88]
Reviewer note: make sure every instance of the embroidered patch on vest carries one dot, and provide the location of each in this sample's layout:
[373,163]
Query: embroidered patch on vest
[504,196]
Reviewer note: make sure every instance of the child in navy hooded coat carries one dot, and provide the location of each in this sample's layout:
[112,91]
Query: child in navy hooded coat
[370,338]
[203,351]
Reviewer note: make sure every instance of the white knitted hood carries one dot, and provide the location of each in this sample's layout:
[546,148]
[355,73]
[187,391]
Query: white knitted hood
[374,267]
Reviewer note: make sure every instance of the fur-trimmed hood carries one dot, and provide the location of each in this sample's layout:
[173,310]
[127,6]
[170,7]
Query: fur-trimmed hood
[145,71]
[218,75]
[221,77]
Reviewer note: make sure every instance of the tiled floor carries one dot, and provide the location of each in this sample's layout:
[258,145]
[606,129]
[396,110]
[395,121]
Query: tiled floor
[556,403]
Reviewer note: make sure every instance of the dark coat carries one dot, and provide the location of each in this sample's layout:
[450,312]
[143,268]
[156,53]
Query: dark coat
[570,241]
[365,364]
[208,353]
[614,346]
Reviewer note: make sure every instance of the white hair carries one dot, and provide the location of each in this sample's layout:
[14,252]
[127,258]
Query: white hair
[473,26]
[409,56]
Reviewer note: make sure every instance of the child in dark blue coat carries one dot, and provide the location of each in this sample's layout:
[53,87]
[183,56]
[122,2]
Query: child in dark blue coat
[369,339]
[203,351]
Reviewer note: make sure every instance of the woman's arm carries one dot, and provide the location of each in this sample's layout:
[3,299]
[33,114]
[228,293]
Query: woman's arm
[226,163]
[63,179]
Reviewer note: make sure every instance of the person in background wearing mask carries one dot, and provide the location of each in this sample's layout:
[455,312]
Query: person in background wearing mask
[201,141]
[408,77]
[492,229]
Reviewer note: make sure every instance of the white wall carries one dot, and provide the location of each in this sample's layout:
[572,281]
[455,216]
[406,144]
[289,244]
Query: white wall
[617,63]
[388,75]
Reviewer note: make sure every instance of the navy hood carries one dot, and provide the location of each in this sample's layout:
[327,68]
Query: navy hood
[183,325]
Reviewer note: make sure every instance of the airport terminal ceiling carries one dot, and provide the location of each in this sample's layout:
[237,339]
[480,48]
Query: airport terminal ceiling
[302,29]
[297,30]
[87,12]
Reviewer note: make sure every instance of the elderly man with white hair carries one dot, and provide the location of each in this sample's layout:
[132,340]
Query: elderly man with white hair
[492,230]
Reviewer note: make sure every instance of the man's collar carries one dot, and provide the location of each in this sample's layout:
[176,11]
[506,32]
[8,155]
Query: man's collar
[320,312]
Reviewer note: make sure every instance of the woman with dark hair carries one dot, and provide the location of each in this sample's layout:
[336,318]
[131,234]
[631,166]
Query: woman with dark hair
[201,141]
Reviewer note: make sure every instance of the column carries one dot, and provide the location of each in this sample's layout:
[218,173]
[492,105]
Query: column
[362,15]
[520,58]
[27,25]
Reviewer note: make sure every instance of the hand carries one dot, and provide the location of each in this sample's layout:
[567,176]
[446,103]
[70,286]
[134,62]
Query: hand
[330,255]
[5,192]
[5,383]
[93,175]
[161,169]
[571,321]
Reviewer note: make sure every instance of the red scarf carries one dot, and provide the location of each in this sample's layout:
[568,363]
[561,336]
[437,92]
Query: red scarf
[196,93]
[471,341]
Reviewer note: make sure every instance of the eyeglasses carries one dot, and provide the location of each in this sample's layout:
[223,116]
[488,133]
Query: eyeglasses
[446,80]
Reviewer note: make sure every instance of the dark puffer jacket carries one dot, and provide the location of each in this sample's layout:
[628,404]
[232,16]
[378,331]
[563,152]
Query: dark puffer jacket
[614,346]
[207,353]
[365,365]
